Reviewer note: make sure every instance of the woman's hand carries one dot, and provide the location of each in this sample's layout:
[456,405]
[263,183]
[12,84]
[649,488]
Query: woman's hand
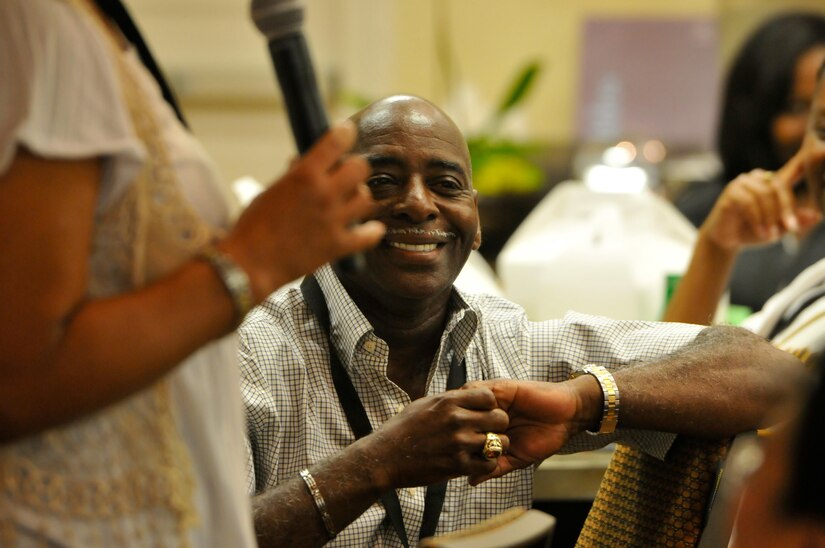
[308,217]
[759,207]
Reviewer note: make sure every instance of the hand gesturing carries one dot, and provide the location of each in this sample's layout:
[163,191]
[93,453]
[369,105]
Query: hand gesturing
[759,207]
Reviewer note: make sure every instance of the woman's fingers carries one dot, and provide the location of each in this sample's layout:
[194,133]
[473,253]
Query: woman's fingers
[766,201]
[784,182]
[327,152]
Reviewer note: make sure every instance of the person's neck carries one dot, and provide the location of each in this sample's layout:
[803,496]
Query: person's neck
[412,329]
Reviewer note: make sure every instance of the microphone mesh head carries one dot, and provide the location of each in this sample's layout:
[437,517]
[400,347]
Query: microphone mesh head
[277,18]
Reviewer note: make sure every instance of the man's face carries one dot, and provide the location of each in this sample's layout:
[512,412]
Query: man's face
[422,187]
[814,149]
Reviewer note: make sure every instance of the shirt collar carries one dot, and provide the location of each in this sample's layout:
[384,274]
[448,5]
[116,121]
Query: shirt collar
[349,326]
[462,324]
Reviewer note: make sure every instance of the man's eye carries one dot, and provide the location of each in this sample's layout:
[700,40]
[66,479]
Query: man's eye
[448,184]
[377,181]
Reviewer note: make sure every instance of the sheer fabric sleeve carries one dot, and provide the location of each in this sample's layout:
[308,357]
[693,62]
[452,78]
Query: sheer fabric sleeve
[60,96]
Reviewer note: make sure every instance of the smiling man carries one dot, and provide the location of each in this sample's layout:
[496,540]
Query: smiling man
[354,426]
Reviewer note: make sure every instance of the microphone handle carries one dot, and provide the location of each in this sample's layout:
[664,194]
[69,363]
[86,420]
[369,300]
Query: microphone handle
[307,117]
[299,89]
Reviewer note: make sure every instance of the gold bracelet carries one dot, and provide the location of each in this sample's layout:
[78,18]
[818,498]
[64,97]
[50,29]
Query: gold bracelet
[233,278]
[320,503]
[610,393]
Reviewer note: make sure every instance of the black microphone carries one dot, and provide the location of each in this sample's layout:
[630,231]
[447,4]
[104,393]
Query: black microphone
[280,21]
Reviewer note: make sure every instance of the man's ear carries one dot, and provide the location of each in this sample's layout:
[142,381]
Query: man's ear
[477,239]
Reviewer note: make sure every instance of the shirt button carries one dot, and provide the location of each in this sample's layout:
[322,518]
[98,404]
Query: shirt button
[399,408]
[369,346]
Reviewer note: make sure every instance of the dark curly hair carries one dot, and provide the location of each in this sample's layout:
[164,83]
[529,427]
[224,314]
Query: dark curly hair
[757,89]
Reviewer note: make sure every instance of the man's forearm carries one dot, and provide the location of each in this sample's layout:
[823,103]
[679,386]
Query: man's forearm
[725,382]
[287,515]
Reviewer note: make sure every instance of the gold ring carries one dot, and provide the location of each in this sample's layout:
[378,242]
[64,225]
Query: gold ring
[768,176]
[492,447]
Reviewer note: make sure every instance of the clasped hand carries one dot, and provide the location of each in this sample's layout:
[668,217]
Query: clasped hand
[440,437]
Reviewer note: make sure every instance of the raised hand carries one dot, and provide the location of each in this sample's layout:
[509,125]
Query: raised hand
[543,416]
[434,439]
[759,207]
[307,217]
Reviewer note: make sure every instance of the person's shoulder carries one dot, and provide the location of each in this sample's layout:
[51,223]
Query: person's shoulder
[28,30]
[42,22]
[30,11]
[62,98]
[49,35]
[273,335]
[493,307]
[281,309]
[798,307]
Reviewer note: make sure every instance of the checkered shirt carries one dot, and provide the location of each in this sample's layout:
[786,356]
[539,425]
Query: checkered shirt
[294,418]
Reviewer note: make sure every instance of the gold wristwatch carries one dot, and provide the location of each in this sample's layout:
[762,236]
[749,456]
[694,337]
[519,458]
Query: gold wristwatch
[610,392]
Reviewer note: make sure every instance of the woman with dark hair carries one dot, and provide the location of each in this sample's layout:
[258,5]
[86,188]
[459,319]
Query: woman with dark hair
[773,484]
[768,94]
[783,502]
[762,123]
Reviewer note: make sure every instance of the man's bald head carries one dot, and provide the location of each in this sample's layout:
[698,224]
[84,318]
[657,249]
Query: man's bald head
[402,112]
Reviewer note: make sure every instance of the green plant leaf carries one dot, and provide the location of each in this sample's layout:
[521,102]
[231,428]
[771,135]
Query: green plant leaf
[516,94]
[519,88]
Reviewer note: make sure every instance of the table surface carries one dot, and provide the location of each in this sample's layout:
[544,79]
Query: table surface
[571,477]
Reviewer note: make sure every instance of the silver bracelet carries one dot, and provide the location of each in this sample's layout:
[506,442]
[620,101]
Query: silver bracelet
[233,278]
[320,503]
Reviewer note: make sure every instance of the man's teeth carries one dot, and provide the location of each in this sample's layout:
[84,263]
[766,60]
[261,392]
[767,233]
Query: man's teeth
[414,247]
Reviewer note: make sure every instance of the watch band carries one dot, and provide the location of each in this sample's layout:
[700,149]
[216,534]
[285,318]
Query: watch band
[610,393]
[233,277]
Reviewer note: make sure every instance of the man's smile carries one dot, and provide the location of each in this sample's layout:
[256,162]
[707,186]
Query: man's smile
[421,248]
[417,239]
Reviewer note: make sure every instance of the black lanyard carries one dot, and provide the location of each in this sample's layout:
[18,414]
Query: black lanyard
[360,424]
[117,12]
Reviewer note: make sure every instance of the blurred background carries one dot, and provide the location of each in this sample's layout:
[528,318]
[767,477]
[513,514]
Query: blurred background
[598,72]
